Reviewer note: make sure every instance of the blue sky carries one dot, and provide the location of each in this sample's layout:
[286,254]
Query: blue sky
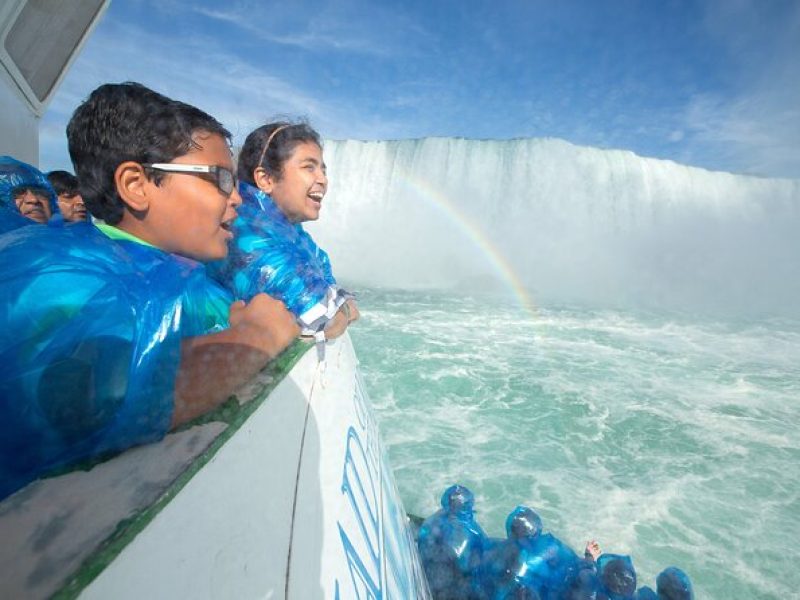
[712,83]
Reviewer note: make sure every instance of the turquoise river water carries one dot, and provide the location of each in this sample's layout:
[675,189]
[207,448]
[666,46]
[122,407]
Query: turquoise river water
[666,437]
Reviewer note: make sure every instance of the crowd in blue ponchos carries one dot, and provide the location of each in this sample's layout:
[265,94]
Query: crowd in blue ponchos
[90,336]
[462,562]
[90,343]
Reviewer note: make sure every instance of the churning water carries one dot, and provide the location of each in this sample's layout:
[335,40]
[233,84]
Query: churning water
[652,401]
[672,440]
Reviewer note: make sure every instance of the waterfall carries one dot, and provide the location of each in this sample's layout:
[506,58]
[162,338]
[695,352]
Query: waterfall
[570,223]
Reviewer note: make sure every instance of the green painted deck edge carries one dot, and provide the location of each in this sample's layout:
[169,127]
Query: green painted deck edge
[232,413]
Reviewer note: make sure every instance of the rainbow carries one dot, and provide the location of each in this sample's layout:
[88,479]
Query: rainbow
[473,232]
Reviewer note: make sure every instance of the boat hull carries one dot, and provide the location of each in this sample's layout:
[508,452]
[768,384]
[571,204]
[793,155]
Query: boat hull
[296,500]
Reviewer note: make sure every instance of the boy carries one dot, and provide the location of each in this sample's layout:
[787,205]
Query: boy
[112,335]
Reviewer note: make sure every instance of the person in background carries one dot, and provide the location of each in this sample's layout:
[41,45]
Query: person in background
[673,584]
[25,190]
[283,183]
[581,583]
[451,547]
[112,335]
[528,558]
[68,196]
[616,577]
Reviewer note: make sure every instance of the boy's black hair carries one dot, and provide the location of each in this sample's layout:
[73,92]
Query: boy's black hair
[63,182]
[280,149]
[129,122]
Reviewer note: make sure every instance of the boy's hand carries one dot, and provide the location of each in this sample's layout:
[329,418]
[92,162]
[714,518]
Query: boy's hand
[265,323]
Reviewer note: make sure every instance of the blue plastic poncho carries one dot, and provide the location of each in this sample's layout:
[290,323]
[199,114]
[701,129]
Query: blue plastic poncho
[504,562]
[616,577]
[583,585]
[90,332]
[673,584]
[552,563]
[17,174]
[497,579]
[646,593]
[451,546]
[270,254]
[528,559]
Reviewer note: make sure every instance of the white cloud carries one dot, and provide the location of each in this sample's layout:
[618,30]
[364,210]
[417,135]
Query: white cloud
[676,136]
[307,40]
[756,128]
[758,132]
[362,28]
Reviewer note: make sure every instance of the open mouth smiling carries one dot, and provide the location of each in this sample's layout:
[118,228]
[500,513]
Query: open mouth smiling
[227,225]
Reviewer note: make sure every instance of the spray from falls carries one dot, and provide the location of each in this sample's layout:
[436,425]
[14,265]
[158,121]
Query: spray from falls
[560,223]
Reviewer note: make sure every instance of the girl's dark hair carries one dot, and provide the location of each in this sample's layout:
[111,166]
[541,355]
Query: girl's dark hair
[129,122]
[280,149]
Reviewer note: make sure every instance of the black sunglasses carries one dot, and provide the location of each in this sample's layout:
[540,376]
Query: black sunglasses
[224,178]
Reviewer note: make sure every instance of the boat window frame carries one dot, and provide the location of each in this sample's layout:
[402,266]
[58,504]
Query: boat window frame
[9,15]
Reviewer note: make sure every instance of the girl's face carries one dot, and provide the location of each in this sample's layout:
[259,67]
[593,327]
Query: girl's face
[302,184]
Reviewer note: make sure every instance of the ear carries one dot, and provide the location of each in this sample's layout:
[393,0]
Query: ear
[132,185]
[264,181]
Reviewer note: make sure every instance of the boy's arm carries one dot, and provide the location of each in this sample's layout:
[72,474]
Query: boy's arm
[213,366]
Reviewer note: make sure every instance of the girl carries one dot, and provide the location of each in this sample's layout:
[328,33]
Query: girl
[282,184]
